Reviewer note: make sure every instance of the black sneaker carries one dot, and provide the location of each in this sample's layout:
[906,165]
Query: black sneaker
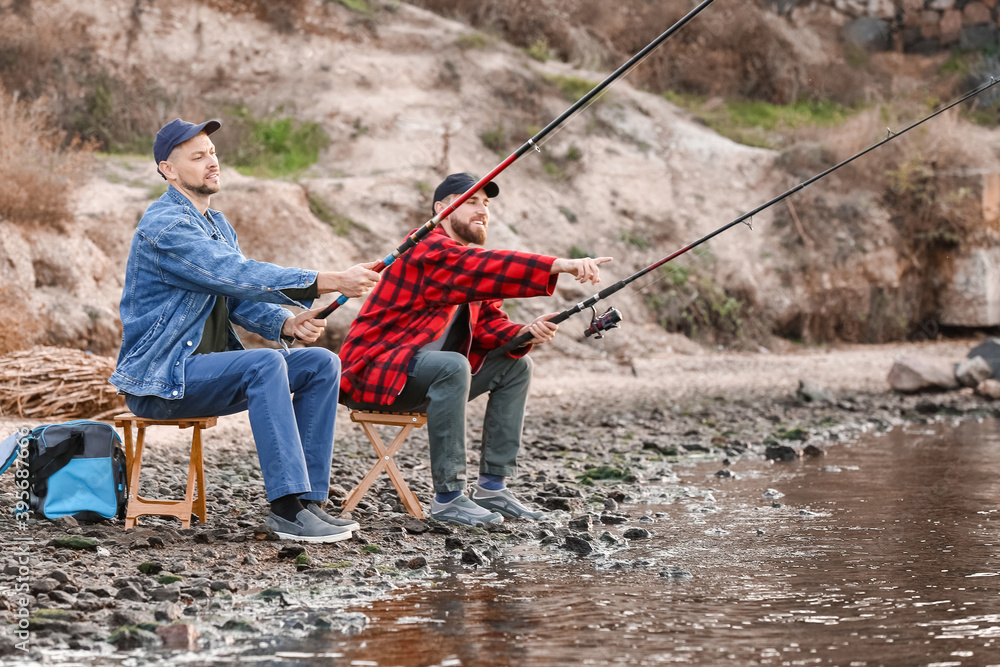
[307,527]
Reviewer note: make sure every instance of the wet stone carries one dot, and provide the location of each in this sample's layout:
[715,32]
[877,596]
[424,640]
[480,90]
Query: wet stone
[416,563]
[452,543]
[581,523]
[43,585]
[178,636]
[812,451]
[725,473]
[250,559]
[636,534]
[222,585]
[415,527]
[62,597]
[66,522]
[167,612]
[165,594]
[151,567]
[291,551]
[473,556]
[579,545]
[59,576]
[675,572]
[613,519]
[781,453]
[130,593]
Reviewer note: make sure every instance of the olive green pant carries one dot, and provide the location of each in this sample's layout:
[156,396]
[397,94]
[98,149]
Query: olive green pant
[440,384]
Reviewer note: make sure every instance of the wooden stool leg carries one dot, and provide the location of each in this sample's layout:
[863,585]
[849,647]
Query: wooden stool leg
[134,468]
[358,492]
[410,501]
[198,463]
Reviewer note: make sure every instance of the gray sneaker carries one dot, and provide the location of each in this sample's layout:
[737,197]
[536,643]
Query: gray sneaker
[317,509]
[463,512]
[504,502]
[307,527]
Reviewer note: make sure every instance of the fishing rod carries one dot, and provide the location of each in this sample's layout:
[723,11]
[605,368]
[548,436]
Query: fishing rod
[532,143]
[612,317]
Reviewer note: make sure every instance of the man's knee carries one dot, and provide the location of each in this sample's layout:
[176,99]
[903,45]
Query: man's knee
[322,359]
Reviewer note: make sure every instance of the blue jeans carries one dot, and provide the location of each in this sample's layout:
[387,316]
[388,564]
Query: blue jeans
[292,401]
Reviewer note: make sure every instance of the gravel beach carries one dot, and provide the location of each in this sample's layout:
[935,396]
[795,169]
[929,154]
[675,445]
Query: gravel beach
[597,438]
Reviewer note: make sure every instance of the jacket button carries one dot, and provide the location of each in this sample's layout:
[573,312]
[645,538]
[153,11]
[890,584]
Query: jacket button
[173,393]
[189,343]
[177,363]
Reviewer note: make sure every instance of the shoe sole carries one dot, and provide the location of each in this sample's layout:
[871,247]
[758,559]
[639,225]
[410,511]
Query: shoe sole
[527,517]
[456,522]
[336,537]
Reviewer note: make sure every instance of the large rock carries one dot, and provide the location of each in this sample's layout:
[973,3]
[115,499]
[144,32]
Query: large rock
[917,372]
[973,371]
[973,297]
[989,350]
[867,33]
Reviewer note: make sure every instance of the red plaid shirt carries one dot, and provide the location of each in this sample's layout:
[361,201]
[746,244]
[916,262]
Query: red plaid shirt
[417,297]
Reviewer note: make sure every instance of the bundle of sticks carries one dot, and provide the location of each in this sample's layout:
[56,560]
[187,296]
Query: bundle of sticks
[57,383]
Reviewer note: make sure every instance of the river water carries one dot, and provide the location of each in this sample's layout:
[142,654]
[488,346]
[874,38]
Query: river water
[883,552]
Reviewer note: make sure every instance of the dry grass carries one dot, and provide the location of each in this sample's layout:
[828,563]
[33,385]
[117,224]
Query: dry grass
[18,325]
[37,173]
[55,383]
[728,51]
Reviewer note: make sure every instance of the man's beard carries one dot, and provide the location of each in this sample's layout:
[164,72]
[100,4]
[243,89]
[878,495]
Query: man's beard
[469,233]
[201,189]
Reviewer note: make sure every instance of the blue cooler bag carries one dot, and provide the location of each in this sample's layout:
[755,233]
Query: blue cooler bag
[76,469]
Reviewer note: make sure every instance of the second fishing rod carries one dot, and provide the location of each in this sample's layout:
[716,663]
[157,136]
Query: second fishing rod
[532,143]
[611,318]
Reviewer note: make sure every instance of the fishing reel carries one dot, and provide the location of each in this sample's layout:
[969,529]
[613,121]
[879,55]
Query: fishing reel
[601,323]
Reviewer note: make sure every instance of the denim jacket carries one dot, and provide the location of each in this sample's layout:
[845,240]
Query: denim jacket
[179,262]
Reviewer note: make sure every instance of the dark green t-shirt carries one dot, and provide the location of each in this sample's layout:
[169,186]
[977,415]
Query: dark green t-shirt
[215,336]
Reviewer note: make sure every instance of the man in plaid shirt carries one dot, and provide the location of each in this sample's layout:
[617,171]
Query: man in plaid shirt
[423,341]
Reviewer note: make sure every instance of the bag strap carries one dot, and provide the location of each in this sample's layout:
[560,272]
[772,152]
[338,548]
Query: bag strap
[54,458]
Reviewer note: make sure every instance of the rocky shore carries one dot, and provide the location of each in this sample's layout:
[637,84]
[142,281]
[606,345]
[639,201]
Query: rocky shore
[598,444]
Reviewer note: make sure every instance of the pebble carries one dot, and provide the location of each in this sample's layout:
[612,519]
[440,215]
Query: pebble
[636,534]
[473,556]
[178,636]
[577,544]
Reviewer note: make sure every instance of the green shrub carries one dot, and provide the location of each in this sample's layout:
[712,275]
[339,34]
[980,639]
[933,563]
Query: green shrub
[539,50]
[274,146]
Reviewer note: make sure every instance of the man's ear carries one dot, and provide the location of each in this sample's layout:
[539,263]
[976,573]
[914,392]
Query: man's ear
[167,169]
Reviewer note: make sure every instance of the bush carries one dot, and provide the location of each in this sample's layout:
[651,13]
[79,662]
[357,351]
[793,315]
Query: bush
[270,147]
[38,173]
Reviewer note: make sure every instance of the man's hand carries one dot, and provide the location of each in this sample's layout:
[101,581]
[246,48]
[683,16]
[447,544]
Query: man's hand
[584,269]
[304,326]
[355,281]
[541,329]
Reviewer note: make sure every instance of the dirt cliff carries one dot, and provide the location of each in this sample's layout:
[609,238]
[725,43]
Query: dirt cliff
[407,96]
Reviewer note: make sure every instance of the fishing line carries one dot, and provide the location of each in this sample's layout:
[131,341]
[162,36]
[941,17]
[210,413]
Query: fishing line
[529,145]
[612,317]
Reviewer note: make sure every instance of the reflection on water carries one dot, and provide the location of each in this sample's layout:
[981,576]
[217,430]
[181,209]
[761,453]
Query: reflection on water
[882,553]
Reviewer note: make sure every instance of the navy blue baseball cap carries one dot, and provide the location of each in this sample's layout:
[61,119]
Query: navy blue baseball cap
[176,132]
[457,184]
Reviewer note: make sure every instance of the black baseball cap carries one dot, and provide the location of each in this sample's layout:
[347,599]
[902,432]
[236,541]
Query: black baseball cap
[175,133]
[457,184]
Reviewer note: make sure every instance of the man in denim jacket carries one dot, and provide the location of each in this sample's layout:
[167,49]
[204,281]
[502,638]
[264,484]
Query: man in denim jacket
[185,281]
